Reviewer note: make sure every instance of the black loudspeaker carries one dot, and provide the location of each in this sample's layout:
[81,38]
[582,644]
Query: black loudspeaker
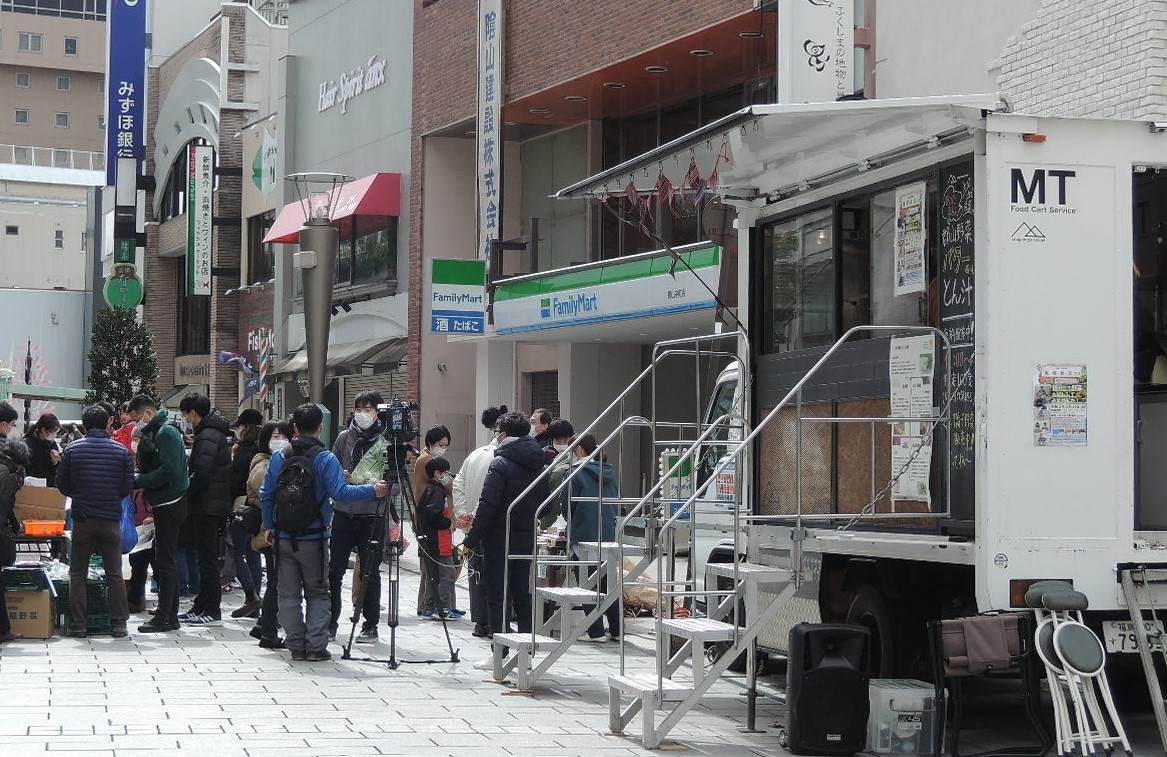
[826,689]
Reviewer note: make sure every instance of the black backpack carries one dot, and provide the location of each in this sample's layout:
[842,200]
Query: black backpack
[298,502]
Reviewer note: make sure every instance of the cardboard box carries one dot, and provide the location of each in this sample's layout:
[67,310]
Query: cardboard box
[40,503]
[31,612]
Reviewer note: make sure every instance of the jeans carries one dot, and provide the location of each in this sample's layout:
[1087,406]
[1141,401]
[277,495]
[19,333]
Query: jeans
[349,532]
[101,536]
[168,520]
[248,564]
[494,566]
[206,533]
[269,624]
[303,591]
[136,587]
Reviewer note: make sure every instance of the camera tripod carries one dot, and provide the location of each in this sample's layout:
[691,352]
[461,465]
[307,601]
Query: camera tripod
[396,476]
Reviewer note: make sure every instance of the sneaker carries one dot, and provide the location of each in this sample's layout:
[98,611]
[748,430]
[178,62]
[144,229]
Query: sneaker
[154,626]
[272,644]
[249,609]
[205,621]
[186,615]
[319,655]
[448,614]
[485,664]
[594,639]
[426,614]
[481,630]
[367,636]
[299,655]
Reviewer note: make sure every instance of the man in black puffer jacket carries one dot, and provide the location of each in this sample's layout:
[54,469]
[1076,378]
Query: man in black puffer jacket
[517,462]
[98,473]
[209,498]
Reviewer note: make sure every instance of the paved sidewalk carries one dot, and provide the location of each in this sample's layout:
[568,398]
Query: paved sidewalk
[214,692]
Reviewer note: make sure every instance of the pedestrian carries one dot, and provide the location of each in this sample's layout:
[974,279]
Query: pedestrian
[142,557]
[162,473]
[13,459]
[466,490]
[8,416]
[437,441]
[44,452]
[593,483]
[540,421]
[123,432]
[273,437]
[97,473]
[209,496]
[517,463]
[248,563]
[355,525]
[561,433]
[435,544]
[304,605]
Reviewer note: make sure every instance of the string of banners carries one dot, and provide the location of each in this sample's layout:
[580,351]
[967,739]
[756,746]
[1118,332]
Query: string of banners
[693,190]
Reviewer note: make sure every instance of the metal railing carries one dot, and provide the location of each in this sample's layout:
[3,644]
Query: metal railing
[51,157]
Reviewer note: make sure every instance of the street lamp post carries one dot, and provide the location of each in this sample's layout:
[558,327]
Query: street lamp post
[319,242]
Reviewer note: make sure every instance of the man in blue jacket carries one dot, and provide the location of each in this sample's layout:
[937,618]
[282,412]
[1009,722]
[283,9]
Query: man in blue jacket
[98,473]
[304,605]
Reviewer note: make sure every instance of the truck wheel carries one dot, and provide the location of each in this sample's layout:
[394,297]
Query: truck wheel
[869,609]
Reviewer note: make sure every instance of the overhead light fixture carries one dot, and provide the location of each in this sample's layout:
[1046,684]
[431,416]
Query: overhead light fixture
[575,98]
[509,123]
[614,84]
[1155,127]
[750,35]
[538,111]
[656,69]
[701,53]
[472,134]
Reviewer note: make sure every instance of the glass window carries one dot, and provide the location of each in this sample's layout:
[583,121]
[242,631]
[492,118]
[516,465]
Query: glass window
[64,83]
[29,43]
[344,263]
[63,120]
[62,158]
[59,239]
[101,84]
[799,257]
[375,257]
[70,45]
[22,116]
[260,257]
[22,154]
[23,79]
[12,230]
[101,123]
[194,317]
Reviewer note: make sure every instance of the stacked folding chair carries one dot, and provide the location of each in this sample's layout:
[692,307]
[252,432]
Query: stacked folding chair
[1074,661]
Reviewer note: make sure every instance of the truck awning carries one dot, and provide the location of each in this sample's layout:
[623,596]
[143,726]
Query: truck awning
[773,150]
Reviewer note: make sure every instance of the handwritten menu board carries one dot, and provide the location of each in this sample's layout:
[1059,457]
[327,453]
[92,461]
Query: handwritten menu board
[957,308]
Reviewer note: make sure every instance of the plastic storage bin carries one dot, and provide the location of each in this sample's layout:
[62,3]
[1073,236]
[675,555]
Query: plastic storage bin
[903,716]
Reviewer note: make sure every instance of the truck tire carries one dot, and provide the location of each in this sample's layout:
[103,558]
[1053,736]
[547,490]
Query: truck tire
[869,609]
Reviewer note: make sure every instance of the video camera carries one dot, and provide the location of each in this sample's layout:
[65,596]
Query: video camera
[397,420]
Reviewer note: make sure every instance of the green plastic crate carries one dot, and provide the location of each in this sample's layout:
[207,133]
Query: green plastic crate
[96,608]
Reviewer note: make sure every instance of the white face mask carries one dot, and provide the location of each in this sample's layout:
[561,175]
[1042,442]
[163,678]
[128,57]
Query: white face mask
[364,419]
[560,447]
[278,444]
[445,479]
[437,451]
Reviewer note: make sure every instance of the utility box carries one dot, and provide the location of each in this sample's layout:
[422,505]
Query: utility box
[903,716]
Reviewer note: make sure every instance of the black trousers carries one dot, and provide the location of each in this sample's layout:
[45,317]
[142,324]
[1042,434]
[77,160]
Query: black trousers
[494,567]
[168,520]
[348,533]
[207,530]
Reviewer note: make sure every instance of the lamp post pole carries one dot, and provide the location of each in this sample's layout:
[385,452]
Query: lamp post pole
[320,237]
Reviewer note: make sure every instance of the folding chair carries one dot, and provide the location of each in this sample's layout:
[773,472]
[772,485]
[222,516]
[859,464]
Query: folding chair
[993,644]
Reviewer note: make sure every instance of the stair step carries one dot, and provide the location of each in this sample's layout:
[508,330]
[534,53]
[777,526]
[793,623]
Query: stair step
[698,629]
[570,596]
[646,686]
[523,640]
[763,574]
[630,550]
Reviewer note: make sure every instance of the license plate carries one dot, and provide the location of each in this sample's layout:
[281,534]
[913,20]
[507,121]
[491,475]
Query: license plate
[1120,634]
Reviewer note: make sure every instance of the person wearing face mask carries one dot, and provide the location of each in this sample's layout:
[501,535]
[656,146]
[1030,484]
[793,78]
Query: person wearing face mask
[42,445]
[437,441]
[273,437]
[589,520]
[435,539]
[561,432]
[354,525]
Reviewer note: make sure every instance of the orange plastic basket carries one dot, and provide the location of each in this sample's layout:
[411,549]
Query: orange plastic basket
[44,527]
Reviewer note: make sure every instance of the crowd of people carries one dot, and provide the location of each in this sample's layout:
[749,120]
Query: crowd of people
[293,513]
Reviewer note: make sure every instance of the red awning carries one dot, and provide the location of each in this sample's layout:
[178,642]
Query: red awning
[366,202]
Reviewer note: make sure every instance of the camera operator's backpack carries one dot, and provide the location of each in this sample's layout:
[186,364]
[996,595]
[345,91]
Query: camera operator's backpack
[298,500]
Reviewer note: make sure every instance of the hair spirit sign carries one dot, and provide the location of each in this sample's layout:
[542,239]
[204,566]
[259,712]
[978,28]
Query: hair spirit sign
[352,84]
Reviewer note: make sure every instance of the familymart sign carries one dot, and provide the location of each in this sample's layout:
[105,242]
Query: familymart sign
[458,297]
[637,287]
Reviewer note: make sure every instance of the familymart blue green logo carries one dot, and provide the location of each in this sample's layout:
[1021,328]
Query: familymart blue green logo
[545,307]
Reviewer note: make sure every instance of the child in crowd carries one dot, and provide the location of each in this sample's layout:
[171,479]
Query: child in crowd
[437,544]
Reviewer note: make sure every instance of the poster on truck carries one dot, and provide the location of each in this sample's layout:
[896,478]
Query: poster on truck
[1059,405]
[911,369]
[910,239]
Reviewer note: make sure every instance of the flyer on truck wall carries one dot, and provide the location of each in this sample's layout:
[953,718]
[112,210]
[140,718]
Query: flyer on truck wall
[911,369]
[1059,405]
[910,239]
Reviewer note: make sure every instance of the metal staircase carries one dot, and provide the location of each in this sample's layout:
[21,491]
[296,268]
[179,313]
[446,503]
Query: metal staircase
[1139,587]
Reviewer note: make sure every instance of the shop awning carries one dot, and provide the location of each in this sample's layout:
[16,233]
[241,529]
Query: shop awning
[172,398]
[773,151]
[382,353]
[366,202]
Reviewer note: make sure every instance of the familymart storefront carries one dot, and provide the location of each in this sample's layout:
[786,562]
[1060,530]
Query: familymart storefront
[576,337]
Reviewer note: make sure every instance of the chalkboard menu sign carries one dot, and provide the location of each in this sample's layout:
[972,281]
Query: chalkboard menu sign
[955,289]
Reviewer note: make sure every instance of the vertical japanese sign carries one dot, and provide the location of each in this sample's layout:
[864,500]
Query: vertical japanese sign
[198,211]
[816,50]
[1059,405]
[490,143]
[910,237]
[458,297]
[911,369]
[125,85]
